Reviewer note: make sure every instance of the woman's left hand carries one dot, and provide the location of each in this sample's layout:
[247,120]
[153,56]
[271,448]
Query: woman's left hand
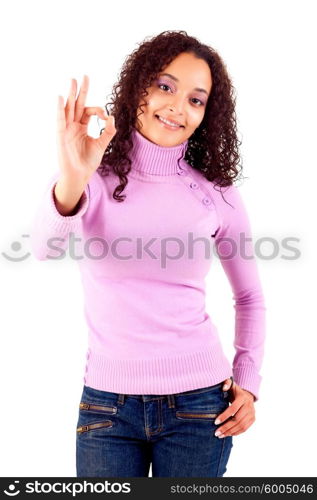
[240,415]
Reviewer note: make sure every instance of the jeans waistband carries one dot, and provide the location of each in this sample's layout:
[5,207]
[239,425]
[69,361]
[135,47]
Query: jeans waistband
[170,397]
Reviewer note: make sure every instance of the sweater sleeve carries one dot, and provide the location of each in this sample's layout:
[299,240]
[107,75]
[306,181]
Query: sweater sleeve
[235,250]
[49,229]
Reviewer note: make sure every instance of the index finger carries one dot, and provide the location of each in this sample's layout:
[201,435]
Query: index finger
[229,412]
[80,101]
[61,122]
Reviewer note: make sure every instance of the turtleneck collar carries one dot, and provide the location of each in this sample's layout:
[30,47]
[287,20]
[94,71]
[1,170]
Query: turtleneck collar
[150,158]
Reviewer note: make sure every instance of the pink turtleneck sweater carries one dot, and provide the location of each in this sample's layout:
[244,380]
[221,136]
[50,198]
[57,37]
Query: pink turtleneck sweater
[143,264]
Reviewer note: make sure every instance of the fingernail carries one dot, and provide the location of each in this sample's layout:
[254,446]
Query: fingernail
[217,433]
[217,421]
[225,387]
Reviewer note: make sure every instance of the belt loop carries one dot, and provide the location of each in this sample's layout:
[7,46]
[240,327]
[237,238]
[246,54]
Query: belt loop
[121,399]
[171,400]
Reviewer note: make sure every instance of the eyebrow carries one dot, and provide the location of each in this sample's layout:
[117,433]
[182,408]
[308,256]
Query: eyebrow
[177,80]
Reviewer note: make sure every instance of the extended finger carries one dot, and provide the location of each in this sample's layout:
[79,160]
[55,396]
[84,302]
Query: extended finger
[237,418]
[239,430]
[238,427]
[69,108]
[230,411]
[81,99]
[61,122]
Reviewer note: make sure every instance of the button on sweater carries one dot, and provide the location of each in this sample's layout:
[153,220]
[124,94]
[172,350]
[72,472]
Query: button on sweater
[143,265]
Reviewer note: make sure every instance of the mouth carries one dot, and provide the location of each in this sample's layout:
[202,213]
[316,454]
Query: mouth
[168,124]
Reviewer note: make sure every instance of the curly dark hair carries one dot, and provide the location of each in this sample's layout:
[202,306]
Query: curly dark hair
[212,148]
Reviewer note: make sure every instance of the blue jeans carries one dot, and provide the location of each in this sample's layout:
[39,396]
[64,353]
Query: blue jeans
[121,435]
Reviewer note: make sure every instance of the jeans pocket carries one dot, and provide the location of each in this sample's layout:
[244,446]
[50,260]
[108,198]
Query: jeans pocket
[92,416]
[184,415]
[201,406]
[92,407]
[93,425]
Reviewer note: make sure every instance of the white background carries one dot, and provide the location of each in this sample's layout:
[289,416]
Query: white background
[270,52]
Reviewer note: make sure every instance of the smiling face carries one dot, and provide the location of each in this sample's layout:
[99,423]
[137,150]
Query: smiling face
[179,94]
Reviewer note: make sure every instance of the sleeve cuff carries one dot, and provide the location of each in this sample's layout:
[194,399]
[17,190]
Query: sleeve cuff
[247,377]
[63,222]
[81,205]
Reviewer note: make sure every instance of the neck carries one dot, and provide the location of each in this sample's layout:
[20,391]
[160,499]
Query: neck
[150,158]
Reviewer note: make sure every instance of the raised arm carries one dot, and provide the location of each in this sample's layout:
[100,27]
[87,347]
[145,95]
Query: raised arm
[68,193]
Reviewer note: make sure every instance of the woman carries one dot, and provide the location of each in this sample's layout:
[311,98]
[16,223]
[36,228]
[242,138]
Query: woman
[158,388]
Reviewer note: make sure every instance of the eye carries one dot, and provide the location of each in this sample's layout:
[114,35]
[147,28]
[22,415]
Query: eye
[163,85]
[194,98]
[201,102]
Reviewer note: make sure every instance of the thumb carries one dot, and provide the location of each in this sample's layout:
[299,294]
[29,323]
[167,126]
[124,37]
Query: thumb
[227,384]
[108,133]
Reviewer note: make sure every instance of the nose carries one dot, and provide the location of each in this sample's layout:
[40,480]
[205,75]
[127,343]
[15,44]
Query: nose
[176,104]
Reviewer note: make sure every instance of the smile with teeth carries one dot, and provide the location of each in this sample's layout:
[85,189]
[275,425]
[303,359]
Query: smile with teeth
[168,122]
